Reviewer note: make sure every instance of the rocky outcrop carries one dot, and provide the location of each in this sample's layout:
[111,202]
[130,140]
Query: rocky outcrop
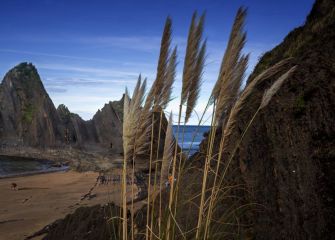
[27,114]
[108,127]
[29,118]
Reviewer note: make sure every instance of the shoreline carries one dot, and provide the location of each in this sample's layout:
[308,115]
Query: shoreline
[32,173]
[46,166]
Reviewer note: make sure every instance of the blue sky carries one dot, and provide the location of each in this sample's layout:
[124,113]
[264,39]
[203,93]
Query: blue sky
[88,51]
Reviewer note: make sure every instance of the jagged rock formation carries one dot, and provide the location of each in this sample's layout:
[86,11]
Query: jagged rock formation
[29,118]
[108,127]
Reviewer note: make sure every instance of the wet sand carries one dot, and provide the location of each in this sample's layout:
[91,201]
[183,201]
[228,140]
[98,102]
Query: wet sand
[44,198]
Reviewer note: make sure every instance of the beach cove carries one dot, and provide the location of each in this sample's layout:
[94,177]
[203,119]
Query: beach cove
[41,199]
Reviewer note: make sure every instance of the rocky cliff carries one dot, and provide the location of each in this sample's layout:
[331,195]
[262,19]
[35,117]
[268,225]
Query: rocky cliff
[29,118]
[27,114]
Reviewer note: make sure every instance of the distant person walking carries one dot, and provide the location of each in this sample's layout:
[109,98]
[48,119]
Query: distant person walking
[14,187]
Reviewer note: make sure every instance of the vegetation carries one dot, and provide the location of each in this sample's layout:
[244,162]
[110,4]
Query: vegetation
[28,114]
[227,100]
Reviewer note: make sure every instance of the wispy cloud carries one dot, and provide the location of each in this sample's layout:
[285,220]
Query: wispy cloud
[140,43]
[98,72]
[56,89]
[77,81]
[81,58]
[134,42]
[55,55]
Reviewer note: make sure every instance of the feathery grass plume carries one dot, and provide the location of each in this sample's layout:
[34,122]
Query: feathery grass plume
[163,62]
[268,94]
[227,72]
[132,116]
[196,82]
[238,76]
[143,133]
[170,78]
[239,73]
[132,113]
[192,53]
[268,73]
[232,49]
[168,151]
[155,97]
[189,59]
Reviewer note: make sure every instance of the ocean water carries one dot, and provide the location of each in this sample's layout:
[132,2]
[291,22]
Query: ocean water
[16,166]
[190,133]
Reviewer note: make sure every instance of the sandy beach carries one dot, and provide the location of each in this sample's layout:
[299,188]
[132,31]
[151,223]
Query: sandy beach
[44,198]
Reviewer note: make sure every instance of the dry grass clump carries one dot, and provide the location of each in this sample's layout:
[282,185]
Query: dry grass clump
[228,101]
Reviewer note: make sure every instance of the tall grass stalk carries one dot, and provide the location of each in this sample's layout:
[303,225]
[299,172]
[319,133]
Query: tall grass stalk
[149,180]
[166,161]
[124,199]
[132,197]
[156,171]
[206,171]
[171,196]
[211,203]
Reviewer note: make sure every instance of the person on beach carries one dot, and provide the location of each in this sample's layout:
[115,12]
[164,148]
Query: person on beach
[14,187]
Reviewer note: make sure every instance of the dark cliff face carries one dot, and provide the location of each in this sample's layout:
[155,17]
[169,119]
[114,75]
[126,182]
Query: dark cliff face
[288,156]
[29,118]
